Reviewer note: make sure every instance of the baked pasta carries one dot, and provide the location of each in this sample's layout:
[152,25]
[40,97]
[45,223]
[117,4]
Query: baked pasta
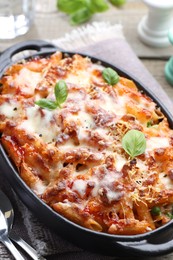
[63,121]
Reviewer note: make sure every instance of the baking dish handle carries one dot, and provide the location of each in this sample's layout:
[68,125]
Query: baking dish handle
[145,248]
[35,45]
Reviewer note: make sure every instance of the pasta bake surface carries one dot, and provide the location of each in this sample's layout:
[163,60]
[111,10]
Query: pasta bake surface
[72,156]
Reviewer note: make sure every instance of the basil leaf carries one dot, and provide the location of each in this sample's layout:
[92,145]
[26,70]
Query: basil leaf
[70,6]
[60,92]
[134,143]
[80,16]
[118,3]
[46,103]
[98,6]
[110,76]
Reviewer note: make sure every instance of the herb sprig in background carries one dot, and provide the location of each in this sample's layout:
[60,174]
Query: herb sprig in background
[81,11]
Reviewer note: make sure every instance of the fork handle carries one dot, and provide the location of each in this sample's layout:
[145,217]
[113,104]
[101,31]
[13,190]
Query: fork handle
[27,248]
[7,242]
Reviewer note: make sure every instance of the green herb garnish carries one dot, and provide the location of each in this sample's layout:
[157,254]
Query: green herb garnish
[69,6]
[134,142]
[118,2]
[97,6]
[149,124]
[169,215]
[60,92]
[110,76]
[156,211]
[81,11]
[46,103]
[80,16]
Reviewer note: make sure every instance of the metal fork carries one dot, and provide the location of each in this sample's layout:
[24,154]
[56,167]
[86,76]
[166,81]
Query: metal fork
[5,240]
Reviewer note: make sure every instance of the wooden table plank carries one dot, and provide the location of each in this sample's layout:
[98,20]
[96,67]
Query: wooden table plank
[156,68]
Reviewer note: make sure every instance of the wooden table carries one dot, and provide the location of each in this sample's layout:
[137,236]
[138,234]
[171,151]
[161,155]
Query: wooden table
[54,25]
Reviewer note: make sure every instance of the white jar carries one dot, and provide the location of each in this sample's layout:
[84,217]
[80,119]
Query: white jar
[153,28]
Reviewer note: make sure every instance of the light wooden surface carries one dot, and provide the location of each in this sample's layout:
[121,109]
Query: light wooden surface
[56,24]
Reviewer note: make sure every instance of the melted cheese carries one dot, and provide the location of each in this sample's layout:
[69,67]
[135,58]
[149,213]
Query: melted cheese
[9,109]
[39,187]
[165,180]
[41,124]
[82,78]
[80,187]
[141,165]
[112,105]
[113,195]
[120,161]
[106,182]
[157,142]
[27,80]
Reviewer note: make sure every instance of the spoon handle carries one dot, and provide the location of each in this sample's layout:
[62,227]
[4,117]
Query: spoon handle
[7,242]
[27,248]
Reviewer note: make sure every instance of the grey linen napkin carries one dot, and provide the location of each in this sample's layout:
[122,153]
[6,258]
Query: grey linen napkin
[116,51]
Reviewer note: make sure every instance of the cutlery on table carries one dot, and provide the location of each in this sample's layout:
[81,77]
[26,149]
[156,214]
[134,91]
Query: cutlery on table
[7,210]
[5,240]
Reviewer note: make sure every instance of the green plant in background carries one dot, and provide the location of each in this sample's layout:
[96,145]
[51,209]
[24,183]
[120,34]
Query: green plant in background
[81,11]
[118,3]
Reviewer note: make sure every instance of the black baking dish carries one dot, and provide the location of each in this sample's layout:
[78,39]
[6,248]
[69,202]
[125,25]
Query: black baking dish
[154,243]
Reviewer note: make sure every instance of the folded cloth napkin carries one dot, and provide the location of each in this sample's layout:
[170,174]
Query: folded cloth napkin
[106,42]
